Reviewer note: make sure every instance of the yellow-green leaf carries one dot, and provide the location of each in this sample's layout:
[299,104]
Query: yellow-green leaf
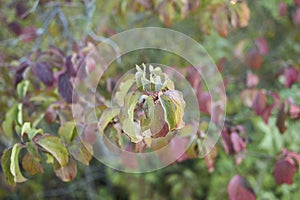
[55,147]
[173,104]
[106,117]
[81,151]
[14,164]
[5,164]
[68,131]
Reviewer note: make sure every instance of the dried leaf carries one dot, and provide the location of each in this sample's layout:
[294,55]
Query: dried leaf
[31,165]
[281,116]
[66,173]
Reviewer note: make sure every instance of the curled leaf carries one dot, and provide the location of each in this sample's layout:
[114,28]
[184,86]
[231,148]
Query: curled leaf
[173,104]
[5,164]
[14,164]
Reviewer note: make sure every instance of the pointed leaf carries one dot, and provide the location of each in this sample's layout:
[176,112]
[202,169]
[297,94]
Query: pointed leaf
[22,88]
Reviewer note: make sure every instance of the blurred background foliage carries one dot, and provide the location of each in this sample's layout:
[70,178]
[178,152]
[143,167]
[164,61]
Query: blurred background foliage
[232,32]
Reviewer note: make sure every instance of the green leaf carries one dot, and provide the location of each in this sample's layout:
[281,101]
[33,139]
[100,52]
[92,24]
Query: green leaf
[31,165]
[81,151]
[33,150]
[124,88]
[14,164]
[22,88]
[11,116]
[107,116]
[66,173]
[68,131]
[19,114]
[31,132]
[5,164]
[129,126]
[25,128]
[173,104]
[55,147]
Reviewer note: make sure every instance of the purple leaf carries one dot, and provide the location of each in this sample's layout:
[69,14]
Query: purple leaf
[15,28]
[19,72]
[44,73]
[70,67]
[238,189]
[65,88]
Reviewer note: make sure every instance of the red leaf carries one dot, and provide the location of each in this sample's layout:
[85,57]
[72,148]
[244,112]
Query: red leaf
[238,189]
[28,34]
[259,102]
[252,80]
[15,28]
[296,17]
[226,140]
[193,76]
[44,73]
[65,88]
[204,101]
[254,59]
[210,159]
[284,171]
[237,142]
[294,111]
[282,9]
[262,45]
[291,76]
[267,112]
[281,116]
